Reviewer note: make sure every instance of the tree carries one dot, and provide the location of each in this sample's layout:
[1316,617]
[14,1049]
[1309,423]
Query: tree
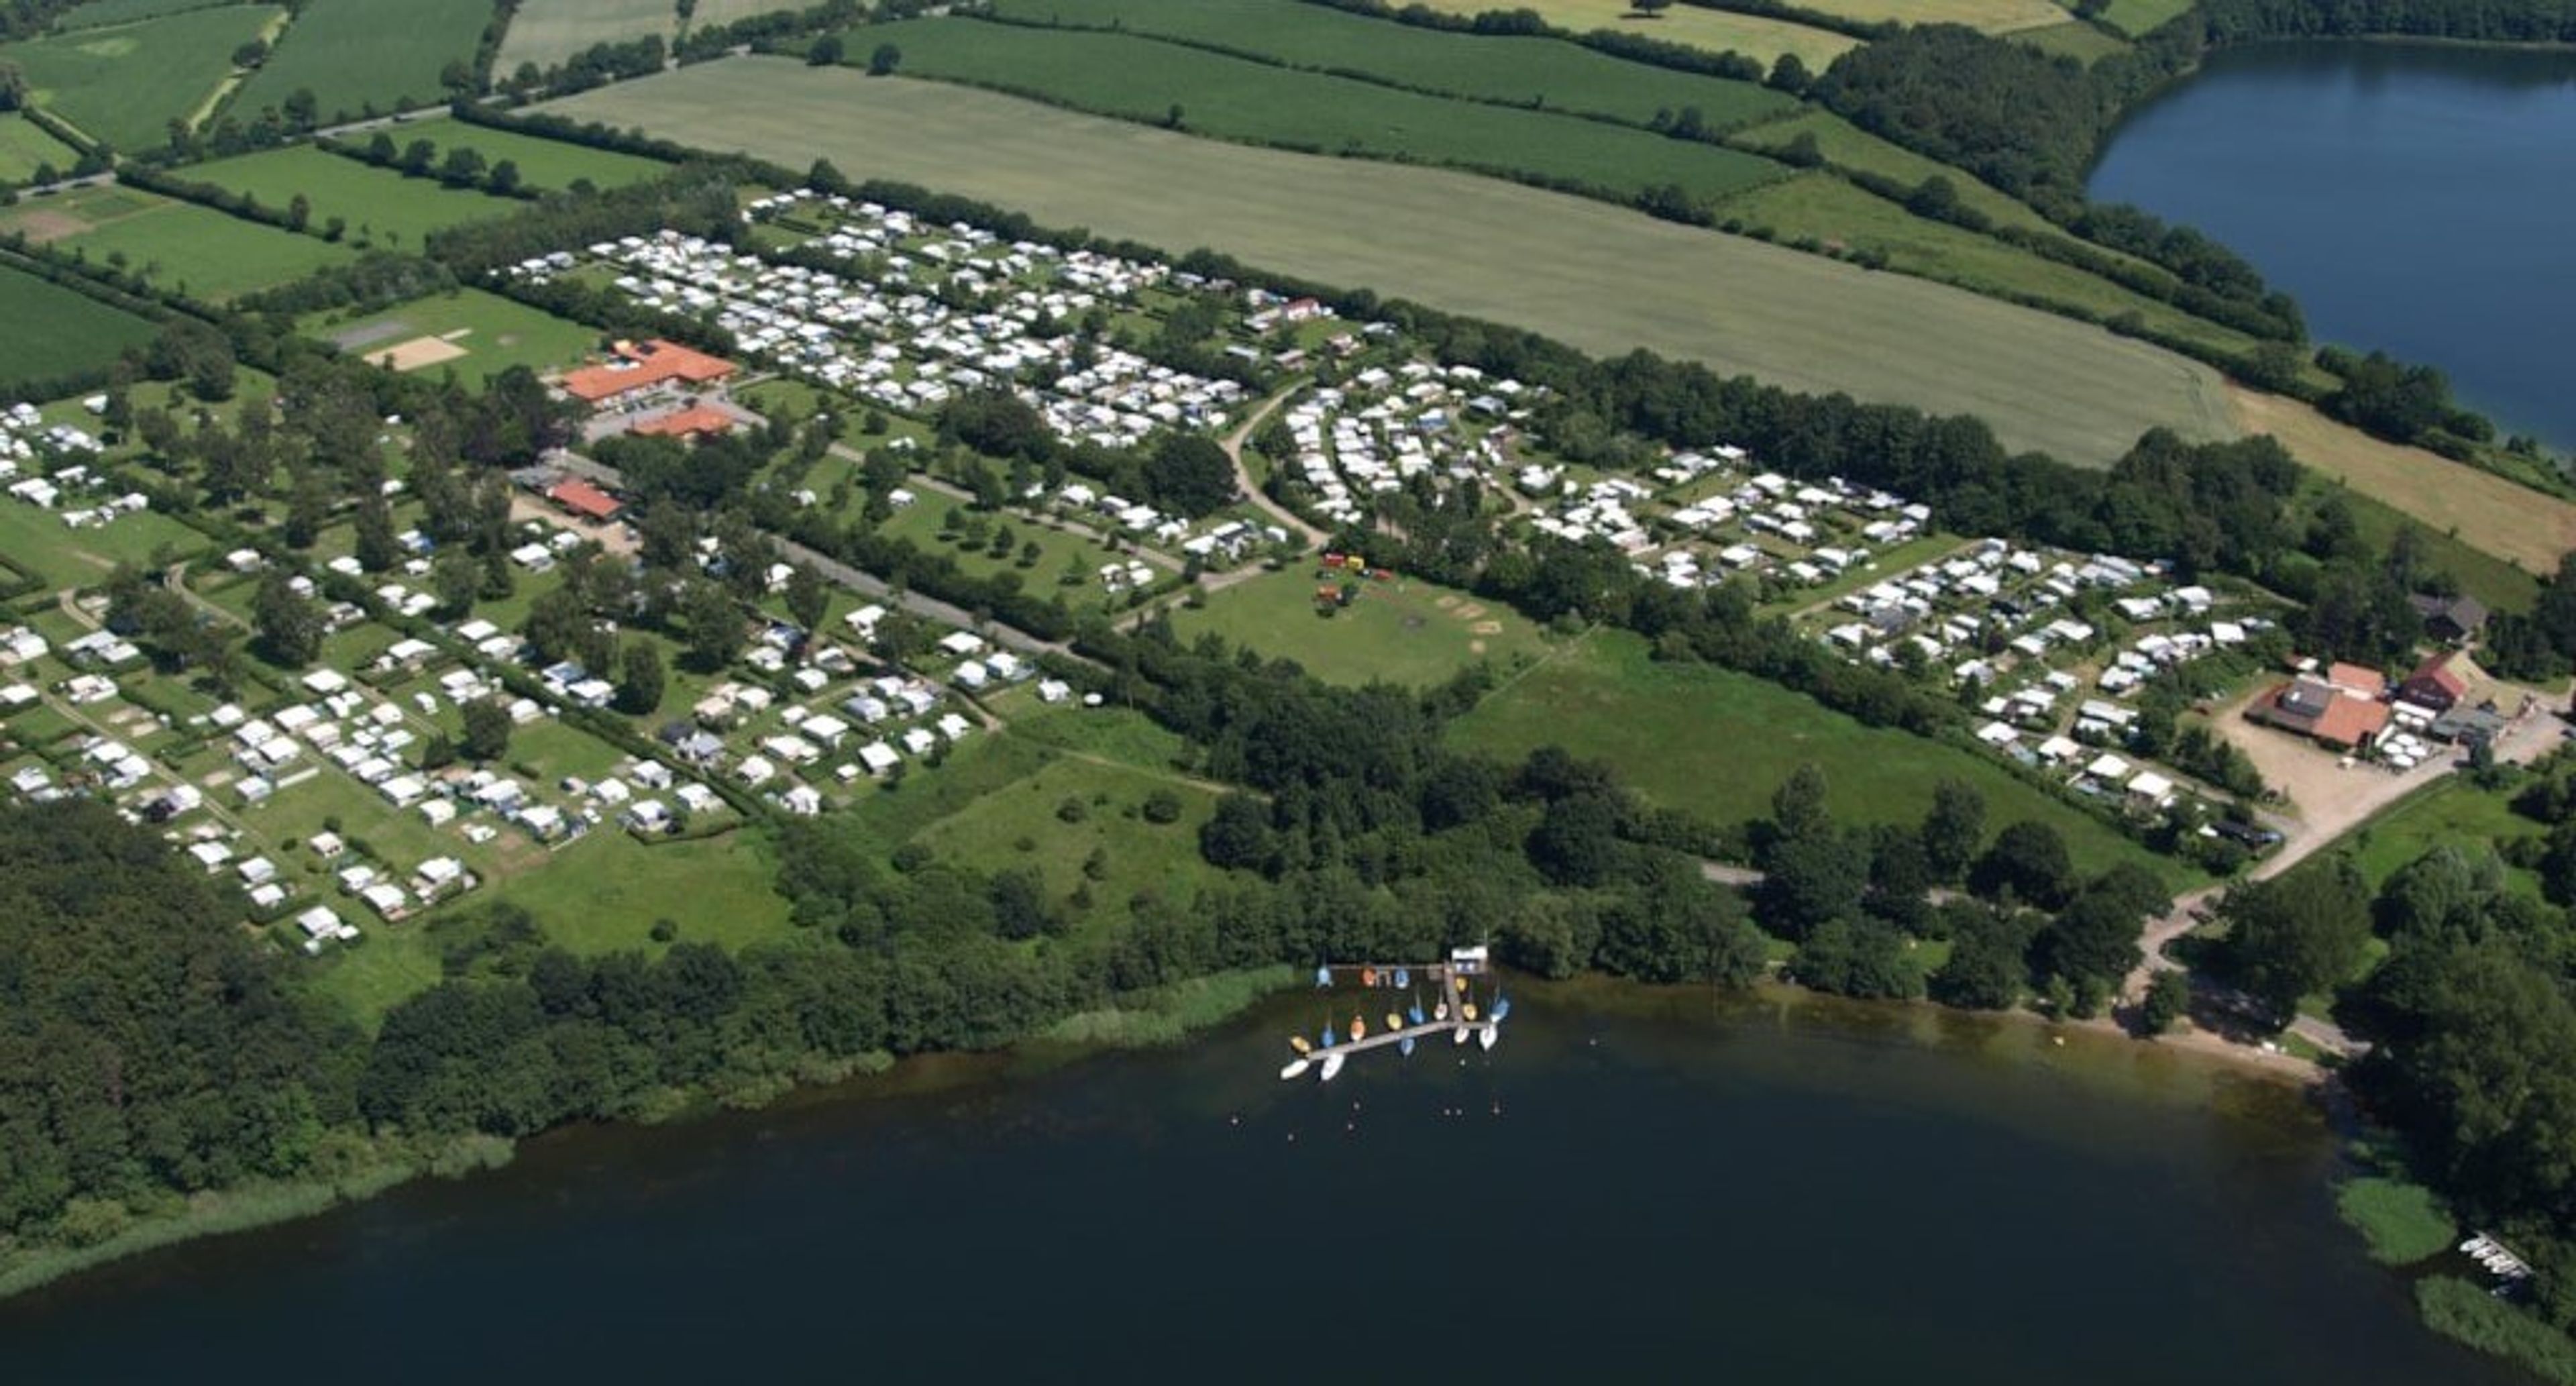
[2095,938]
[454,578]
[825,51]
[487,731]
[463,167]
[639,685]
[13,87]
[885,60]
[2168,1000]
[715,624]
[2298,934]
[808,597]
[1988,968]
[373,533]
[1789,75]
[2028,859]
[288,625]
[1577,840]
[1863,958]
[504,179]
[299,212]
[1188,474]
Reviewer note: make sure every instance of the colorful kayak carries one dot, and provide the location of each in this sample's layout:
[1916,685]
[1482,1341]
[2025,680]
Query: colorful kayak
[1296,1069]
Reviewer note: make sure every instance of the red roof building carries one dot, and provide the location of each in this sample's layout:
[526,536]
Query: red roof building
[696,421]
[2434,684]
[586,500]
[646,366]
[2351,723]
[2358,681]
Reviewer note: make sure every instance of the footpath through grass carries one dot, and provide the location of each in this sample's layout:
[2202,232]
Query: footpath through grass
[124,85]
[1136,78]
[1718,743]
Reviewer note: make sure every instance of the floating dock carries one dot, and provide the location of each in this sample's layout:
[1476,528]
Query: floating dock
[1449,983]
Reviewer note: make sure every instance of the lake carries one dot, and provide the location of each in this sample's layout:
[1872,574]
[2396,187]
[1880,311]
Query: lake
[2414,198]
[1631,1184]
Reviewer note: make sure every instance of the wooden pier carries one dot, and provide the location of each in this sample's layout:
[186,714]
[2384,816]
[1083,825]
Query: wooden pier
[1444,979]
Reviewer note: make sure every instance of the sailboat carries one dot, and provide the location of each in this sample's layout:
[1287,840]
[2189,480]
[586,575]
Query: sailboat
[1488,1033]
[1323,977]
[1403,978]
[1414,1011]
[1394,1022]
[1359,1028]
[1301,1044]
[1404,1046]
[1333,1065]
[1459,1035]
[1502,1006]
[1295,1069]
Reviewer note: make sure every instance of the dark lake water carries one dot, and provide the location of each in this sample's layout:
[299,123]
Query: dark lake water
[2416,198]
[1726,1190]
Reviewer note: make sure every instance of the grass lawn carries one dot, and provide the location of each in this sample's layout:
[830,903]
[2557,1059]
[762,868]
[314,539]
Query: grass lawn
[24,146]
[546,32]
[97,13]
[2138,17]
[1598,277]
[1490,68]
[1404,631]
[359,56]
[379,205]
[1993,16]
[922,524]
[2448,812]
[543,163]
[1113,733]
[1237,99]
[1820,206]
[80,334]
[1024,825]
[1717,743]
[2073,39]
[124,85]
[204,253]
[1718,31]
[496,333]
[1848,146]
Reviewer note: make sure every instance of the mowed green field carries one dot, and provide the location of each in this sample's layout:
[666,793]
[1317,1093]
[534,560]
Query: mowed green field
[54,331]
[381,206]
[1847,146]
[2137,17]
[1717,31]
[1829,209]
[1237,99]
[543,163]
[198,251]
[1595,276]
[1397,631]
[358,56]
[546,32]
[24,147]
[97,13]
[1717,743]
[492,334]
[1025,823]
[1564,76]
[1993,16]
[124,85]
[68,558]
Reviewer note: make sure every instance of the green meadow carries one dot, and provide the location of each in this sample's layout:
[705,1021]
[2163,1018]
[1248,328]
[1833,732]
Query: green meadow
[203,253]
[25,147]
[381,207]
[124,85]
[1230,98]
[80,334]
[1399,630]
[543,163]
[362,56]
[1519,70]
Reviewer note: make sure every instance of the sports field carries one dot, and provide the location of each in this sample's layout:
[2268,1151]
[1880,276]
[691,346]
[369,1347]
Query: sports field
[1716,743]
[1398,630]
[1236,99]
[543,163]
[546,32]
[1830,210]
[24,146]
[79,332]
[363,55]
[1564,76]
[1599,277]
[1717,31]
[474,333]
[124,85]
[178,245]
[2485,510]
[381,206]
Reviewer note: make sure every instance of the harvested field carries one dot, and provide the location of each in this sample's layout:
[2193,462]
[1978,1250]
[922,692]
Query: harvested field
[1599,277]
[2484,510]
[546,32]
[1717,31]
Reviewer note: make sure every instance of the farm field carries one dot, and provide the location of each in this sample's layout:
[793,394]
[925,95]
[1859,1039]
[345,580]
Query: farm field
[196,250]
[380,205]
[1826,208]
[1234,98]
[543,163]
[1993,16]
[1597,277]
[97,13]
[25,146]
[1718,743]
[546,32]
[2138,17]
[2508,520]
[474,333]
[124,85]
[1400,631]
[362,55]
[81,333]
[1514,69]
[1717,31]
